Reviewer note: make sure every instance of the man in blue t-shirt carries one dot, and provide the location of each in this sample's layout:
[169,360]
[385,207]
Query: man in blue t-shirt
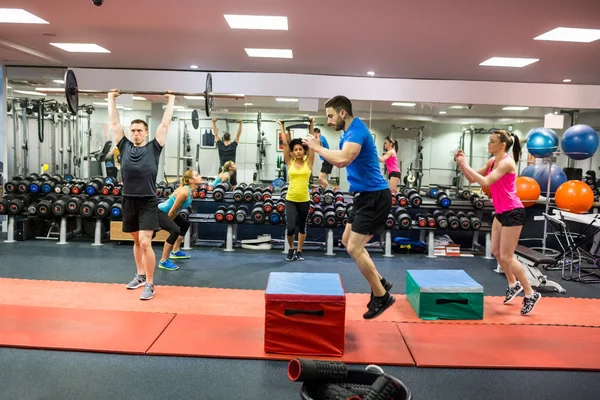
[326,167]
[372,196]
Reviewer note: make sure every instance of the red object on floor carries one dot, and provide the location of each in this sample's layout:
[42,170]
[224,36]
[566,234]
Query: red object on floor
[503,346]
[78,329]
[243,337]
[305,314]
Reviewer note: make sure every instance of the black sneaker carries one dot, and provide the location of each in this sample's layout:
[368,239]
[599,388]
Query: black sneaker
[512,292]
[387,285]
[530,302]
[379,305]
[291,255]
[299,256]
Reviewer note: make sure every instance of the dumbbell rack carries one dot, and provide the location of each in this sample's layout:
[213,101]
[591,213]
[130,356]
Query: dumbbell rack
[427,204]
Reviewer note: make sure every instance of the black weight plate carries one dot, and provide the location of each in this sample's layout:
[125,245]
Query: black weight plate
[71,91]
[209,101]
[195,119]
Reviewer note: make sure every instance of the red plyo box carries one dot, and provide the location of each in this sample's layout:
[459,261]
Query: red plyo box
[305,314]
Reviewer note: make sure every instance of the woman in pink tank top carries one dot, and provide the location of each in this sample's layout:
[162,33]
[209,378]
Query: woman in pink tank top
[501,175]
[391,162]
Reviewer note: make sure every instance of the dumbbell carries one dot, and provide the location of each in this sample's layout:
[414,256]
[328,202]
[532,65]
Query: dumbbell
[274,217]
[88,207]
[463,194]
[31,208]
[339,196]
[404,190]
[414,198]
[51,184]
[24,184]
[349,209]
[330,216]
[4,202]
[219,192]
[202,190]
[238,194]
[77,188]
[11,186]
[442,199]
[243,185]
[421,220]
[267,193]
[316,195]
[65,188]
[257,194]
[59,207]
[402,217]
[465,224]
[36,185]
[107,189]
[117,190]
[401,200]
[328,196]
[248,194]
[394,198]
[477,202]
[475,222]
[268,206]
[258,214]
[103,207]
[116,210]
[430,221]
[390,221]
[241,214]
[168,190]
[440,219]
[74,203]
[230,213]
[220,213]
[280,206]
[317,216]
[453,220]
[44,207]
[94,186]
[18,204]
[340,209]
[432,193]
[159,190]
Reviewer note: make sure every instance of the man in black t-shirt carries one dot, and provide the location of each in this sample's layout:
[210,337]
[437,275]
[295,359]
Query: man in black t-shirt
[139,167]
[227,148]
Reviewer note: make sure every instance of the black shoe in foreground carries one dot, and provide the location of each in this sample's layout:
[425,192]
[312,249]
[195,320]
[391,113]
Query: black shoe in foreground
[379,305]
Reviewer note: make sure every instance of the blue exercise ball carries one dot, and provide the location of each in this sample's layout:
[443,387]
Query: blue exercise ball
[557,178]
[579,142]
[530,170]
[542,142]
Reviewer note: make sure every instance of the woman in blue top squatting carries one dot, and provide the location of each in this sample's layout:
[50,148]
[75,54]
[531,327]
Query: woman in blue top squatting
[170,221]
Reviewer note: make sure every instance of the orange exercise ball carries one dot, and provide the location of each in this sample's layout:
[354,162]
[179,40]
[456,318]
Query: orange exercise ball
[528,190]
[574,196]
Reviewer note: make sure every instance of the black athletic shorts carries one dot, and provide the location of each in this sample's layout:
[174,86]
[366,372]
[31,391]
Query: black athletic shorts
[395,174]
[326,167]
[370,211]
[140,214]
[514,217]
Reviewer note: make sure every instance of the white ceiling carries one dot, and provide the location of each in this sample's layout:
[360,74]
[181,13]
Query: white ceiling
[430,39]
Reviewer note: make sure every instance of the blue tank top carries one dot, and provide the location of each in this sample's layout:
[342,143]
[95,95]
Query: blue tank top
[166,206]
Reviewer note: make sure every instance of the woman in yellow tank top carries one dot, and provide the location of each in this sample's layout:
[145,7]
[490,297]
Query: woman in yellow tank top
[299,160]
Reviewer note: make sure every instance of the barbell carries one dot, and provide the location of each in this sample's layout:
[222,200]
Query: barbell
[72,91]
[196,120]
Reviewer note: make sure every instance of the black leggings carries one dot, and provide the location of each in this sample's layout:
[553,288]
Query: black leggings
[296,214]
[176,227]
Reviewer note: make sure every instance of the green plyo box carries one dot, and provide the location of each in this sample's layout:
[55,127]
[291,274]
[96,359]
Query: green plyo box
[444,294]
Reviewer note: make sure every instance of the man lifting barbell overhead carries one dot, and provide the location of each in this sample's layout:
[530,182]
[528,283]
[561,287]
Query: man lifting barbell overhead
[372,196]
[227,148]
[139,167]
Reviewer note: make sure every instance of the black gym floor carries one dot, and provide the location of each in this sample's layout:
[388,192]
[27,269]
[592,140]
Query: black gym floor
[38,374]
